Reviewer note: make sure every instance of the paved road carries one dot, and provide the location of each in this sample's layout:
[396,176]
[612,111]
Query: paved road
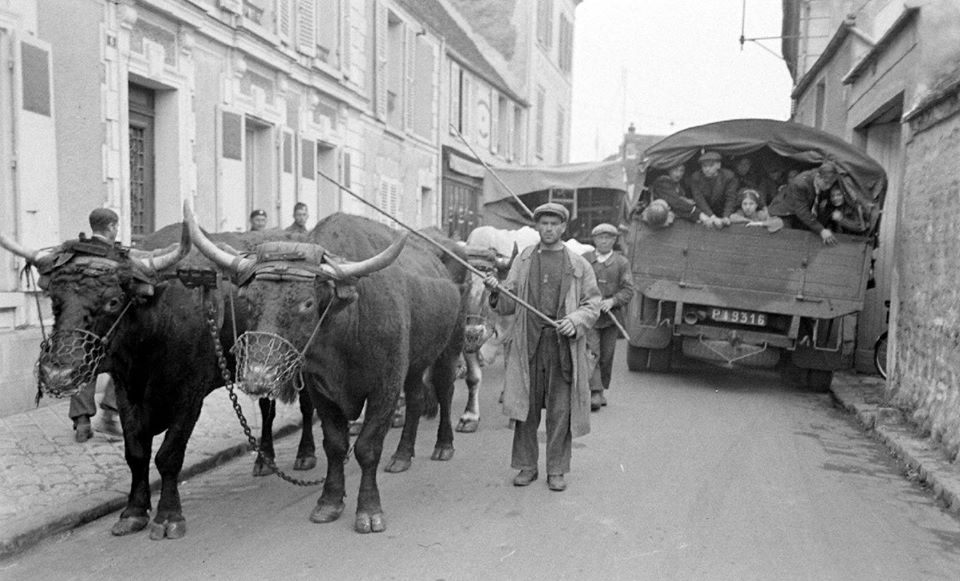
[702,474]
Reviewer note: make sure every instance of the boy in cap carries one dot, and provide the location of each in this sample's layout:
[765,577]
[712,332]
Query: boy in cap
[714,189]
[615,282]
[801,195]
[547,366]
[258,220]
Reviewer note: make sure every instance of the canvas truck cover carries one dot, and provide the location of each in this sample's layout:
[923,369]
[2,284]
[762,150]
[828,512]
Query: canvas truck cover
[500,209]
[862,177]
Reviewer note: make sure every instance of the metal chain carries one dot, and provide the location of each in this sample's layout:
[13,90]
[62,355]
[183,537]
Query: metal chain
[228,383]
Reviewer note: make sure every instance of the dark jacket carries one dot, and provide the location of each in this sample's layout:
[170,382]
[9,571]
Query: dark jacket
[798,198]
[852,220]
[716,196]
[664,188]
[615,281]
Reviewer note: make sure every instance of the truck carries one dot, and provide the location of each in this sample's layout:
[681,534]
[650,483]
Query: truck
[740,295]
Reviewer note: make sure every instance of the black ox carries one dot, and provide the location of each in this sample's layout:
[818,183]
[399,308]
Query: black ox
[359,341]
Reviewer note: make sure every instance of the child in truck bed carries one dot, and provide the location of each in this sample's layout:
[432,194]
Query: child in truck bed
[749,210]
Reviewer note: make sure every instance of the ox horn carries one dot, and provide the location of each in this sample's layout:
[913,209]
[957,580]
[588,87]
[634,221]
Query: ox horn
[370,265]
[154,264]
[225,260]
[15,247]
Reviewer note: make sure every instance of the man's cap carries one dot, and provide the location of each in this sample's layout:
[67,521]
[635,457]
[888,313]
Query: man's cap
[551,208]
[827,170]
[256,213]
[709,156]
[605,229]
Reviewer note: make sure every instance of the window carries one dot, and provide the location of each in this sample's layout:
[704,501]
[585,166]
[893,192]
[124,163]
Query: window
[561,127]
[545,22]
[565,44]
[504,127]
[328,27]
[388,200]
[455,97]
[422,89]
[541,105]
[518,153]
[820,104]
[395,54]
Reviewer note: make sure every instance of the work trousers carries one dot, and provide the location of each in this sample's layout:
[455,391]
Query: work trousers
[83,403]
[549,389]
[600,378]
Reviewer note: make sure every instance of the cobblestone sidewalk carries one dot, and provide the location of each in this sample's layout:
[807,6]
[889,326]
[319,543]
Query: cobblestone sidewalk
[49,483]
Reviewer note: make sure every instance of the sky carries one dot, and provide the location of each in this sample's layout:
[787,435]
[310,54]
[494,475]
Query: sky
[666,65]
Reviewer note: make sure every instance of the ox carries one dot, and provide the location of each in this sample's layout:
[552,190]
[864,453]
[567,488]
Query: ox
[359,340]
[490,250]
[115,312]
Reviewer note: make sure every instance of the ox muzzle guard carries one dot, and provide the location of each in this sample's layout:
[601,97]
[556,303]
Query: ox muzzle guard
[267,365]
[475,333]
[82,350]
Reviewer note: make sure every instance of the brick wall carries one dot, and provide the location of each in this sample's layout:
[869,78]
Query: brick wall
[926,374]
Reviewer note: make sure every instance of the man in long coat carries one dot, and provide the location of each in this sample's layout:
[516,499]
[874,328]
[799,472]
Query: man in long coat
[799,199]
[546,365]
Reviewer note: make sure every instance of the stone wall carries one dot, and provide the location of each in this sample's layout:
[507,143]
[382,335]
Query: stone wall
[926,374]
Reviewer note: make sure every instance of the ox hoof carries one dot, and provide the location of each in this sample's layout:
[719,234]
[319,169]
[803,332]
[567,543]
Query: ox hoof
[261,468]
[128,525]
[323,513]
[168,530]
[369,523]
[305,463]
[468,426]
[442,454]
[398,465]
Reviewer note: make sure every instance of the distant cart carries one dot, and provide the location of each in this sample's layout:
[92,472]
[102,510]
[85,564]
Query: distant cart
[593,192]
[742,296]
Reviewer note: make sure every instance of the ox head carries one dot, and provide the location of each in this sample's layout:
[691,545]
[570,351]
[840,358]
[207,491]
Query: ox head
[288,289]
[91,284]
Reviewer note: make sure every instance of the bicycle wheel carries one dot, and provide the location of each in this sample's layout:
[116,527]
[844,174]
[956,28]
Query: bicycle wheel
[880,354]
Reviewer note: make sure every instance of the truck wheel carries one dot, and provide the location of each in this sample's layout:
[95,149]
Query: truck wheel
[660,359]
[819,380]
[637,358]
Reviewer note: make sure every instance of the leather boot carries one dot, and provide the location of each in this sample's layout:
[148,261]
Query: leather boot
[83,431]
[525,477]
[596,400]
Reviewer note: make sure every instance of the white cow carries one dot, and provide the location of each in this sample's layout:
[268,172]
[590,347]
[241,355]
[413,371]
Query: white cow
[485,330]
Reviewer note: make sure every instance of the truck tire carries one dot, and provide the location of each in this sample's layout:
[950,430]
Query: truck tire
[819,380]
[637,358]
[660,359]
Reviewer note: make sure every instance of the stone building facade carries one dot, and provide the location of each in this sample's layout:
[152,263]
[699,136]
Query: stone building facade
[235,105]
[886,76]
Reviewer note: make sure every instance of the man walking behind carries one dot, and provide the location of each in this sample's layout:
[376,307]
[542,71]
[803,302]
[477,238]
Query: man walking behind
[615,281]
[547,365]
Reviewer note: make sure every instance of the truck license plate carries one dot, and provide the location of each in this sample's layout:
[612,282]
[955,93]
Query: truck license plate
[739,317]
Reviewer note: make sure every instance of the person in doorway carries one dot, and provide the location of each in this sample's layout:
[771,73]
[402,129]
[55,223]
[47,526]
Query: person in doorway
[615,282]
[104,227]
[258,220]
[547,365]
[300,215]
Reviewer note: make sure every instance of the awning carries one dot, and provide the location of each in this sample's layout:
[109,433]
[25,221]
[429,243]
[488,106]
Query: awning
[570,176]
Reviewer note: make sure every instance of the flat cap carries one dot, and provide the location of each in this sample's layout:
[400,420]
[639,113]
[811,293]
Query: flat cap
[605,229]
[256,213]
[827,169]
[551,208]
[709,156]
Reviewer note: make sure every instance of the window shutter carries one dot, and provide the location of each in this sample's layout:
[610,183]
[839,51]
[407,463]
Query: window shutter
[308,155]
[455,97]
[307,27]
[345,37]
[494,121]
[380,66]
[283,20]
[410,66]
[466,107]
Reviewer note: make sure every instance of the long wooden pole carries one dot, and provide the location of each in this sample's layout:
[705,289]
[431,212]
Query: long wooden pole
[619,326]
[493,173]
[443,249]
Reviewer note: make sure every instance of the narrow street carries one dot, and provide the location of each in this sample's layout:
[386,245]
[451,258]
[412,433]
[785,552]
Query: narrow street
[700,474]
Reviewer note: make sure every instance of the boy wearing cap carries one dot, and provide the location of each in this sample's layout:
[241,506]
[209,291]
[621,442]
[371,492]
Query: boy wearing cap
[714,189]
[615,282]
[546,364]
[258,220]
[797,200]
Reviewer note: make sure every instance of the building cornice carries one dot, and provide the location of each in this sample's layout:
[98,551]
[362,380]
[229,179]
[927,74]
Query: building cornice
[825,57]
[885,41]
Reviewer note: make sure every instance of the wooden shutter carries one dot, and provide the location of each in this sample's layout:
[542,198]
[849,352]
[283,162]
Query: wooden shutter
[494,121]
[380,64]
[307,27]
[231,172]
[410,66]
[284,21]
[345,37]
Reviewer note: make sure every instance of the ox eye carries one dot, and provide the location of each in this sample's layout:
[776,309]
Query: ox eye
[307,305]
[112,305]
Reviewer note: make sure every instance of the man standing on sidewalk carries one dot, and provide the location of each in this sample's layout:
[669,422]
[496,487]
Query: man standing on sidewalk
[104,225]
[300,215]
[546,364]
[615,281]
